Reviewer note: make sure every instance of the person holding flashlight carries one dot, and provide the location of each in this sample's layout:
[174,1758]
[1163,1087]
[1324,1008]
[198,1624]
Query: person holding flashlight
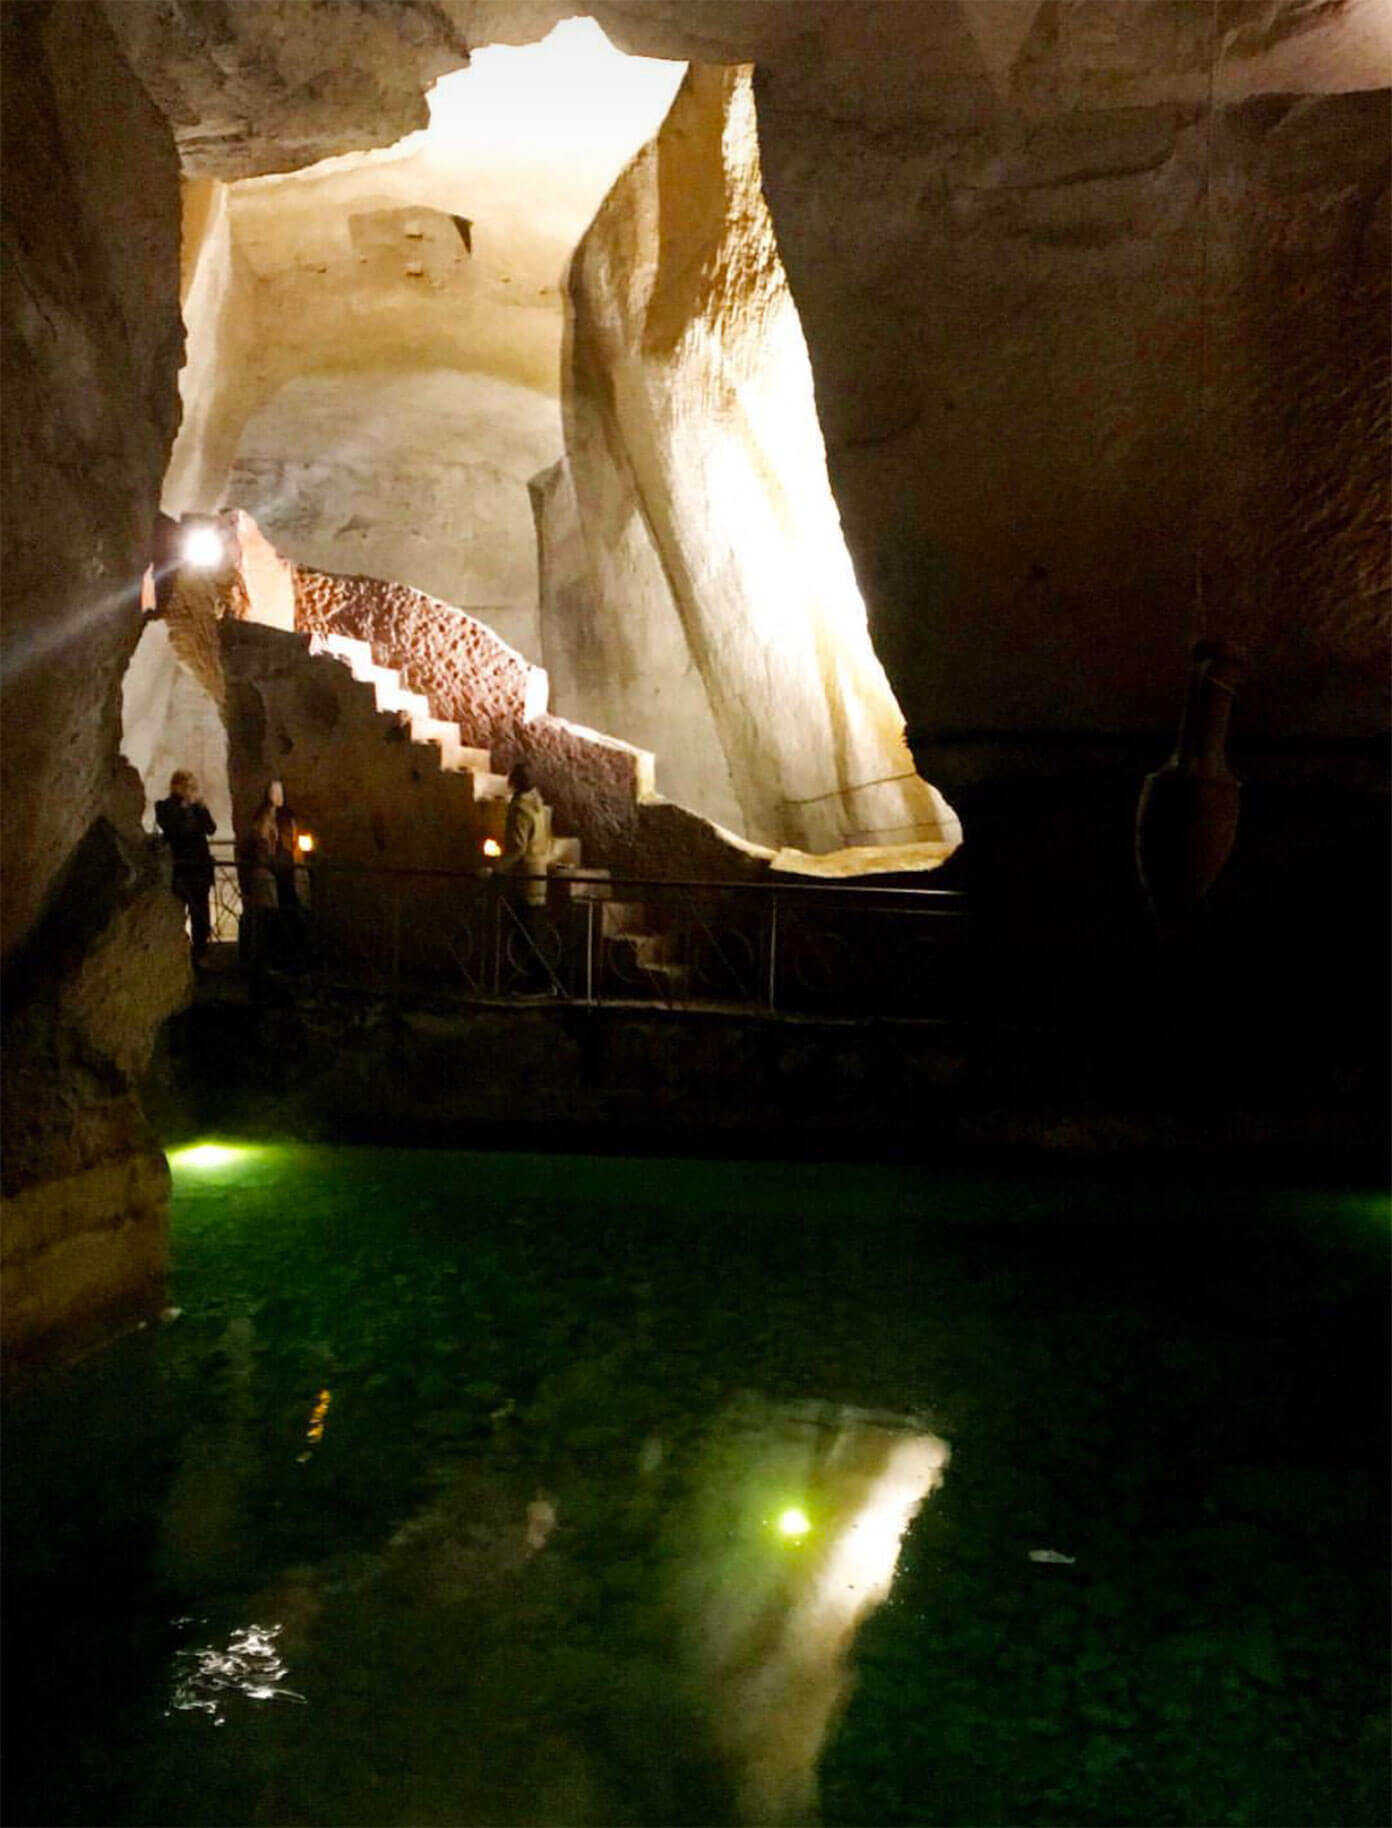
[187,826]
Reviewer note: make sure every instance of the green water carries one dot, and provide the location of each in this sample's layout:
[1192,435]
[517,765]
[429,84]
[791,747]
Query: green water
[492,1449]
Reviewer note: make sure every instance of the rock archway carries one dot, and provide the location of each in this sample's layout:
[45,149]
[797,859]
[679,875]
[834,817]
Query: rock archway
[377,372]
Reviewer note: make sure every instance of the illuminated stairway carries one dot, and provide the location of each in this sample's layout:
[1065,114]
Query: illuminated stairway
[413,711]
[633,956]
[633,951]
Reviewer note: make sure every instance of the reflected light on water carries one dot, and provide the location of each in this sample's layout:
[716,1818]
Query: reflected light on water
[771,1632]
[314,1434]
[315,1431]
[206,1679]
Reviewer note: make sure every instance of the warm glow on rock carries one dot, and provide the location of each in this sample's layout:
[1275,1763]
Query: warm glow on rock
[570,111]
[717,522]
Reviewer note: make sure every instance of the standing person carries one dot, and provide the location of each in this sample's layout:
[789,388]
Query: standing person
[256,867]
[187,826]
[287,834]
[526,853]
[293,925]
[526,839]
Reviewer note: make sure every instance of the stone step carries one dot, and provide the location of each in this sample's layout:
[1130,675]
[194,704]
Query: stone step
[455,756]
[356,655]
[565,852]
[649,949]
[489,786]
[582,885]
[667,981]
[444,735]
[635,966]
[622,917]
[411,707]
[385,681]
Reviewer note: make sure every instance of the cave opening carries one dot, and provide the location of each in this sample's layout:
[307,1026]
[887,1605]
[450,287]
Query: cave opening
[540,363]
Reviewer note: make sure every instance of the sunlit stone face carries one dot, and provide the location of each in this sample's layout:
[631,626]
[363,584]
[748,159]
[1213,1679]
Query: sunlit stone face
[796,1519]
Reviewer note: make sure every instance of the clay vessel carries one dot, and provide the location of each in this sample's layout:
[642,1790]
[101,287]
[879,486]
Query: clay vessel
[1186,820]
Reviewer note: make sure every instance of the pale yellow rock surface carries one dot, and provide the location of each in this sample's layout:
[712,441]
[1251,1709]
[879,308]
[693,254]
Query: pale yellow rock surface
[375,342]
[690,421]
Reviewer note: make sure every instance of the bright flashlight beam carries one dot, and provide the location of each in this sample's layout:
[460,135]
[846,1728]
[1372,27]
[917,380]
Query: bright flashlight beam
[203,548]
[41,644]
[794,1523]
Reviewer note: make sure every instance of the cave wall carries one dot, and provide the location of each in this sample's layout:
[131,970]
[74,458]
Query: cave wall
[1060,369]
[1045,400]
[632,672]
[92,342]
[251,89]
[693,446]
[94,957]
[169,720]
[420,476]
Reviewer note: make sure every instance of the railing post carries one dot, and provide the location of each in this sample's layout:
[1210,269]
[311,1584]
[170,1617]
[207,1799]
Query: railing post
[396,933]
[773,952]
[590,906]
[495,911]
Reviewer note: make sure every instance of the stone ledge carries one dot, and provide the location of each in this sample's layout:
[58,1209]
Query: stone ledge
[84,1256]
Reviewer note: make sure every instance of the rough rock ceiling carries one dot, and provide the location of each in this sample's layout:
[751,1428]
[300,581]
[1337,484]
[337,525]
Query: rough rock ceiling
[282,83]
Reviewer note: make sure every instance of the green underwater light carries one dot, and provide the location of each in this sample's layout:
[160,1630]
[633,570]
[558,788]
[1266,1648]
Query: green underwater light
[794,1523]
[206,1155]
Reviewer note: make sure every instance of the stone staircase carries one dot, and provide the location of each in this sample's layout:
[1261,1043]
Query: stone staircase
[633,952]
[412,710]
[636,957]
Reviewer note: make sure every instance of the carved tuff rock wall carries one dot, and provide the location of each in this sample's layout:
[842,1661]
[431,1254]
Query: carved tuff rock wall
[93,952]
[703,503]
[1063,355]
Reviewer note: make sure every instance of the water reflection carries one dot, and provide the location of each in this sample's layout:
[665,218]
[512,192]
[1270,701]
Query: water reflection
[797,1518]
[206,1678]
[661,1630]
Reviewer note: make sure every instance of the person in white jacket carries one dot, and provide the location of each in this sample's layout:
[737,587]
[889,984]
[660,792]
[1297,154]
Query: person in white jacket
[526,853]
[526,839]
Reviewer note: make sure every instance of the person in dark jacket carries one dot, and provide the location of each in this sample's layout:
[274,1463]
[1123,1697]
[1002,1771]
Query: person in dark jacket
[187,826]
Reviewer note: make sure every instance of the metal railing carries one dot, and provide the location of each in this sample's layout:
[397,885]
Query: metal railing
[785,949]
